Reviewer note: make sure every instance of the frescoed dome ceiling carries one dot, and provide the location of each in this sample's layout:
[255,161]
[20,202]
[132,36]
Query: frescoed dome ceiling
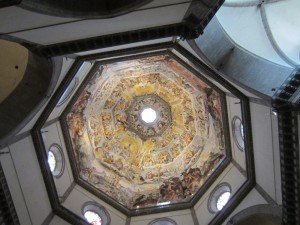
[146,131]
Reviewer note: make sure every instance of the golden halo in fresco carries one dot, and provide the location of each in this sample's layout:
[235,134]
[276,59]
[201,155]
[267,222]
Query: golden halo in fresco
[139,164]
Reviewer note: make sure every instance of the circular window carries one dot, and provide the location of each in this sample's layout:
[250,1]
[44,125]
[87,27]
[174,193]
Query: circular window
[222,200]
[55,160]
[95,214]
[163,221]
[68,92]
[219,198]
[93,218]
[238,132]
[51,161]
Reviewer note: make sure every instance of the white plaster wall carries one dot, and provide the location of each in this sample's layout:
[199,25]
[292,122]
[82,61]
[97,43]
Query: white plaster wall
[14,19]
[80,29]
[263,148]
[53,135]
[31,180]
[58,221]
[186,45]
[182,217]
[244,25]
[231,176]
[14,187]
[63,145]
[81,74]
[79,196]
[285,28]
[234,109]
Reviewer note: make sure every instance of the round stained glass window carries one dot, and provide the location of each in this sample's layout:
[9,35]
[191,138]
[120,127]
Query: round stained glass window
[219,197]
[56,160]
[242,130]
[51,161]
[238,132]
[93,218]
[222,200]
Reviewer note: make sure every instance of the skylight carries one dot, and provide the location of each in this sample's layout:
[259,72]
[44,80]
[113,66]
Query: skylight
[148,115]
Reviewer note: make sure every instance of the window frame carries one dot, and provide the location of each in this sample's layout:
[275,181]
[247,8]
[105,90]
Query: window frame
[238,132]
[215,195]
[57,151]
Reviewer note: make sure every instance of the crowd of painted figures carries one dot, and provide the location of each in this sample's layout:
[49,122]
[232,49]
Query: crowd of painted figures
[141,172]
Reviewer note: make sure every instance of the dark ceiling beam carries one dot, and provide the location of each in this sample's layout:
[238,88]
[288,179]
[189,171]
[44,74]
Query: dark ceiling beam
[288,93]
[129,37]
[289,159]
[8,214]
[286,103]
[200,13]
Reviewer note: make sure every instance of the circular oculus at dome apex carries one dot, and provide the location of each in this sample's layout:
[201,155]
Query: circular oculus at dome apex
[149,115]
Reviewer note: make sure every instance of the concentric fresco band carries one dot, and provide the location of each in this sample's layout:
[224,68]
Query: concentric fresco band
[143,165]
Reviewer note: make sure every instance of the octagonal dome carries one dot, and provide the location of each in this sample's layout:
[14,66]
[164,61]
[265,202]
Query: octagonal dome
[139,164]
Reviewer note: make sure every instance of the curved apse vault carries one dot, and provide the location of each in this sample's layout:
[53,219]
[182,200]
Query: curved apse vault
[22,88]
